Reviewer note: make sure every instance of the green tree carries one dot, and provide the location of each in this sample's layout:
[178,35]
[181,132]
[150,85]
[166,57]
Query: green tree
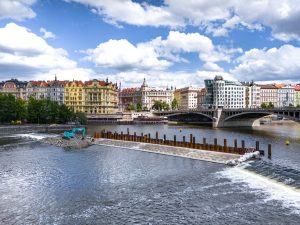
[264,105]
[139,107]
[131,107]
[174,104]
[80,118]
[11,109]
[271,105]
[159,105]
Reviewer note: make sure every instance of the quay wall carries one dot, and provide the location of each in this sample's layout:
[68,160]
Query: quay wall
[21,129]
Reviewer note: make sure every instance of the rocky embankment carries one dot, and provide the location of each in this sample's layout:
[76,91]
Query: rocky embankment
[74,143]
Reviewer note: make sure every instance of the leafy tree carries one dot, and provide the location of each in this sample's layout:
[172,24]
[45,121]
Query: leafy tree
[139,107]
[291,105]
[80,118]
[11,109]
[130,107]
[174,104]
[159,105]
[298,106]
[264,105]
[271,105]
[145,108]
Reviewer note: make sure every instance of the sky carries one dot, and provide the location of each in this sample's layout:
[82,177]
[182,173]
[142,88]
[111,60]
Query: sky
[168,42]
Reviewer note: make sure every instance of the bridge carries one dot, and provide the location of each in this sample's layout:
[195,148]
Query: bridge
[228,117]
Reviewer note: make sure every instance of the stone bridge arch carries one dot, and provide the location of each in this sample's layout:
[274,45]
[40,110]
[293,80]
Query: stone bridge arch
[251,118]
[191,117]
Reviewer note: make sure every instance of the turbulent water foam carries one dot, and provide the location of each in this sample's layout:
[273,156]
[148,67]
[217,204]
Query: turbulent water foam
[36,136]
[289,196]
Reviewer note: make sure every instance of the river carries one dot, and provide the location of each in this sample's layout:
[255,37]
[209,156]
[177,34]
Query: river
[42,184]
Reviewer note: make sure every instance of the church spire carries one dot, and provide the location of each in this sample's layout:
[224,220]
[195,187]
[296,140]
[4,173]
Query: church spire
[144,83]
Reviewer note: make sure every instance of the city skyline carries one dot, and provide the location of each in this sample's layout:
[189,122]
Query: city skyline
[166,42]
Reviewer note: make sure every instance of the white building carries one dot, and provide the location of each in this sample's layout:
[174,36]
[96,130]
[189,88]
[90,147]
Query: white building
[37,90]
[145,95]
[56,91]
[252,96]
[224,94]
[187,97]
[286,96]
[152,94]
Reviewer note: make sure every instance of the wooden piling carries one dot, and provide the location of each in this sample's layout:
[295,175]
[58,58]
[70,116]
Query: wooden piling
[175,143]
[156,137]
[194,142]
[257,146]
[243,144]
[269,151]
[225,145]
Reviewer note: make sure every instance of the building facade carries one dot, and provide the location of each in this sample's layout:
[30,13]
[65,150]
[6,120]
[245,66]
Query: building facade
[221,93]
[100,97]
[14,87]
[145,95]
[252,95]
[37,90]
[56,91]
[74,95]
[286,96]
[187,97]
[269,94]
[92,97]
[297,95]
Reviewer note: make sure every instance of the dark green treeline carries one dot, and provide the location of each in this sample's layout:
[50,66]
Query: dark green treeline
[36,111]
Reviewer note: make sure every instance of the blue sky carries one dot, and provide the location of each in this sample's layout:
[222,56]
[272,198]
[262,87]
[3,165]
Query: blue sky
[170,42]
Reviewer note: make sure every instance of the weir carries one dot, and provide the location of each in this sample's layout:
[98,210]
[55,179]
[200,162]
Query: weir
[191,144]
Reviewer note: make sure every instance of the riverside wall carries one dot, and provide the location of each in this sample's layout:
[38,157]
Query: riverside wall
[22,129]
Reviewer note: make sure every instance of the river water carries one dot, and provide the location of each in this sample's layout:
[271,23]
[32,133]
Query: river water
[41,184]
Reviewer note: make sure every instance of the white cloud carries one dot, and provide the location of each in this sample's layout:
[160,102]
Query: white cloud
[210,66]
[167,79]
[269,64]
[47,34]
[130,12]
[122,55]
[26,54]
[218,16]
[16,9]
[158,54]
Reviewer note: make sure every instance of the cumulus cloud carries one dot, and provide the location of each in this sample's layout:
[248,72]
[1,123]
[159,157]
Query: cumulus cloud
[159,54]
[16,9]
[165,79]
[134,13]
[27,54]
[269,64]
[122,55]
[218,17]
[47,34]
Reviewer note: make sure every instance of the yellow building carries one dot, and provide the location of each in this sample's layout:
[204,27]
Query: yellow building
[100,97]
[92,97]
[74,95]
